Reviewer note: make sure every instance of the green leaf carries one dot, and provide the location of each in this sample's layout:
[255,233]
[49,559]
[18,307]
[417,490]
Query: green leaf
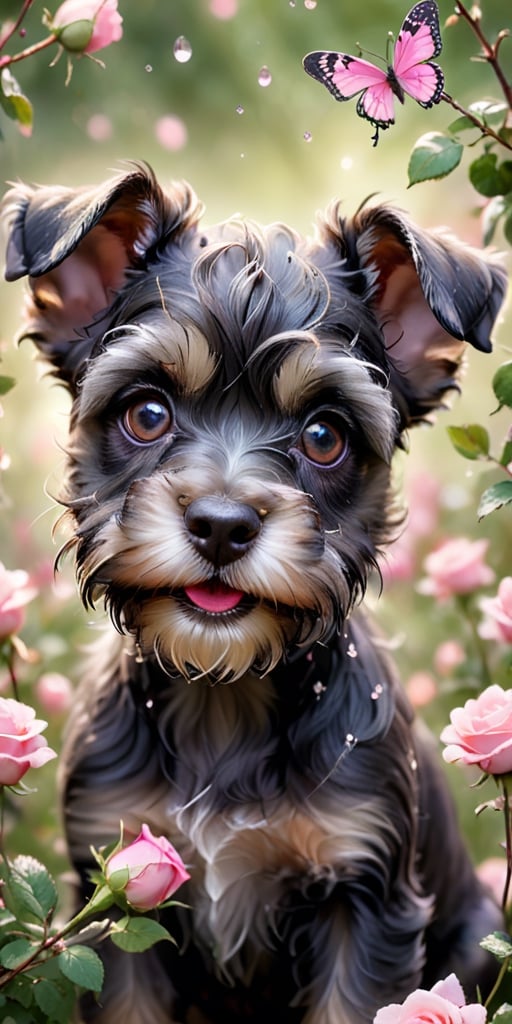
[20,900]
[503,1014]
[16,952]
[488,178]
[55,999]
[506,455]
[6,384]
[135,934]
[494,498]
[494,210]
[499,944]
[82,966]
[462,124]
[502,384]
[471,441]
[13,101]
[39,880]
[491,111]
[434,156]
[507,227]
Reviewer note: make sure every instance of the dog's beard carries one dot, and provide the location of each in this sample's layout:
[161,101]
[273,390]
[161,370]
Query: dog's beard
[143,563]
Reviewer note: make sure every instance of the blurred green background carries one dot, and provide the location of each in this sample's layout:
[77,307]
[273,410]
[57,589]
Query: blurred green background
[279,152]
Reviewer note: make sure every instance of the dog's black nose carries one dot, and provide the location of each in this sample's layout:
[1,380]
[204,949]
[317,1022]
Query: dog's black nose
[221,529]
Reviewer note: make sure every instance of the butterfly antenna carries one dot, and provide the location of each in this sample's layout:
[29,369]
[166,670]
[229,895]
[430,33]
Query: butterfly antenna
[390,43]
[370,53]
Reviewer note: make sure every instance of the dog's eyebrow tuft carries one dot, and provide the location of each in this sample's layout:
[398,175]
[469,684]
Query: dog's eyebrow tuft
[130,352]
[310,370]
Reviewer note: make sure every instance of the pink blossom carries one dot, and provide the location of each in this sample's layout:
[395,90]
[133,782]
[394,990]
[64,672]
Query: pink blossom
[481,732]
[498,611]
[21,745]
[171,132]
[54,692]
[445,1003]
[492,872]
[456,567]
[448,656]
[85,26]
[148,871]
[421,689]
[15,592]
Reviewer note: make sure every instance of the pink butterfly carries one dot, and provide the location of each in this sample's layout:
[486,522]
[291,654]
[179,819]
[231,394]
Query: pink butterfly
[412,70]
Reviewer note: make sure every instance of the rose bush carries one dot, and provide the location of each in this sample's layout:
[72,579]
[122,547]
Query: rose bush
[480,732]
[21,745]
[86,26]
[457,566]
[148,871]
[497,624]
[445,1003]
[15,593]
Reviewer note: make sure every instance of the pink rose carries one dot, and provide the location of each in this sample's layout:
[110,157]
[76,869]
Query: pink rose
[148,871]
[15,592]
[498,610]
[84,26]
[21,746]
[54,692]
[481,732]
[445,1003]
[456,567]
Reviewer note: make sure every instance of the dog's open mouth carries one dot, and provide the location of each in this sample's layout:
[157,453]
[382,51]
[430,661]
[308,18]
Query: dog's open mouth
[214,597]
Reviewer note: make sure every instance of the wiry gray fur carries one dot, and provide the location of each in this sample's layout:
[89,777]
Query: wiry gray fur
[270,742]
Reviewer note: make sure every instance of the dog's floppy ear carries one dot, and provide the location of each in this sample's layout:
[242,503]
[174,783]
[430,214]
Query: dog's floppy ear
[76,246]
[430,292]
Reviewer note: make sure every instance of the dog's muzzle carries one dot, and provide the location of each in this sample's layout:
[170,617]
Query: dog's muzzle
[220,529]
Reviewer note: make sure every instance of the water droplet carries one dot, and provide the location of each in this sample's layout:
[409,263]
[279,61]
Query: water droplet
[307,136]
[374,695]
[351,651]
[310,5]
[239,109]
[148,68]
[349,738]
[414,764]
[149,704]
[182,50]
[264,77]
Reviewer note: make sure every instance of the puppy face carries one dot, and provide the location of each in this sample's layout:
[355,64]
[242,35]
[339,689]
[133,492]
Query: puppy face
[229,469]
[237,397]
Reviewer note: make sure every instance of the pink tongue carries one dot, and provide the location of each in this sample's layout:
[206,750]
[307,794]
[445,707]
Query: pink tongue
[214,597]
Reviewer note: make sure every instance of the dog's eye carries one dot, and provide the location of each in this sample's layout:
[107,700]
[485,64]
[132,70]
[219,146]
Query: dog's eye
[323,443]
[148,420]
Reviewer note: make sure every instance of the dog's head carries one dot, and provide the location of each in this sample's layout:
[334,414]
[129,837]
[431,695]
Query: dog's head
[237,397]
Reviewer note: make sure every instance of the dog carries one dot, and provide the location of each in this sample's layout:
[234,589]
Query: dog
[237,396]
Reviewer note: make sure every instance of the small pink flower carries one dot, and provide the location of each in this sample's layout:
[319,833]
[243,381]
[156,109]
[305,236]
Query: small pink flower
[99,20]
[421,689]
[445,1003]
[21,745]
[15,592]
[481,732]
[171,132]
[492,873]
[456,567]
[54,692]
[448,656]
[148,871]
[498,610]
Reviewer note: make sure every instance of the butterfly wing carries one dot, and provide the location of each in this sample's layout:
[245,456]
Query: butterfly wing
[345,76]
[418,41]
